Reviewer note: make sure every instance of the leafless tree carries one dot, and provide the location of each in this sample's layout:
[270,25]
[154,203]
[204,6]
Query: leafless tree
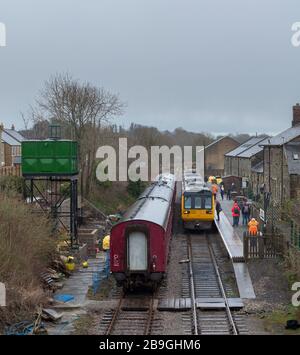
[81,108]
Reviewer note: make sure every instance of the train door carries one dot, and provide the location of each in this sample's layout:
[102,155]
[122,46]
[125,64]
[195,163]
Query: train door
[137,251]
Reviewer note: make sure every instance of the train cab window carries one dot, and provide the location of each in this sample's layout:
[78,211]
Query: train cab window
[188,202]
[207,203]
[198,203]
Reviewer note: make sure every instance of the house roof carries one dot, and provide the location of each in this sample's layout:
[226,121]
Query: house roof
[258,168]
[253,150]
[16,135]
[243,148]
[218,140]
[284,137]
[292,153]
[8,139]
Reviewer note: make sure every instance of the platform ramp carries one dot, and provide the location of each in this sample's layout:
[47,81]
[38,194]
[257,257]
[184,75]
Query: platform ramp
[235,251]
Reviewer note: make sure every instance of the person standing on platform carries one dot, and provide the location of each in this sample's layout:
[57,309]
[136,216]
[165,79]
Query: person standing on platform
[246,213]
[228,194]
[222,191]
[218,209]
[253,227]
[235,214]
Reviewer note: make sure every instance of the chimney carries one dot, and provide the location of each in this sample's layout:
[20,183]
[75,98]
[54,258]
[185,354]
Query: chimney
[13,127]
[296,115]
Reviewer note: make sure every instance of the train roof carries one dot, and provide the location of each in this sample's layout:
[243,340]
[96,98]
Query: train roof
[153,205]
[193,182]
[196,188]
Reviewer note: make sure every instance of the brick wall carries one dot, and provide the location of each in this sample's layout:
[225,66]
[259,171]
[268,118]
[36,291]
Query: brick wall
[276,176]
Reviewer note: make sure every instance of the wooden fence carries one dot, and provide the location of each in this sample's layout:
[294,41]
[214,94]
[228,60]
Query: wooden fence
[263,247]
[10,170]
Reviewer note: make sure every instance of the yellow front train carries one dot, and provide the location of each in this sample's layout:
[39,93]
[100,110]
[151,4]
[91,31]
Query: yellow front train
[197,204]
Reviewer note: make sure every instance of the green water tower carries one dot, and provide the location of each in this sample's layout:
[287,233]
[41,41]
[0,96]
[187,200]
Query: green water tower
[46,165]
[49,157]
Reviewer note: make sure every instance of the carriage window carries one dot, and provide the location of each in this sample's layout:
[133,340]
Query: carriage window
[187,202]
[207,203]
[198,202]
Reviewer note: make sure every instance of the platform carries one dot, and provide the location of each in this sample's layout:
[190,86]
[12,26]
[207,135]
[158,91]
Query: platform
[234,246]
[243,280]
[230,238]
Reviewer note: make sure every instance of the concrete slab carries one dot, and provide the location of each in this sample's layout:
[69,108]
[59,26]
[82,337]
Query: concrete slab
[244,282]
[183,304]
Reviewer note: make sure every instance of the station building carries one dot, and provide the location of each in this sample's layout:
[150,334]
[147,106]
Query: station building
[214,155]
[240,161]
[281,162]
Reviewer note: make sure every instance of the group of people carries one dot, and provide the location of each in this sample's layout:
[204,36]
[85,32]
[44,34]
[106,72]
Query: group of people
[245,211]
[237,211]
[228,192]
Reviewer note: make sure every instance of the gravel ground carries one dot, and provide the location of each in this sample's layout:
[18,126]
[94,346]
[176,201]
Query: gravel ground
[272,294]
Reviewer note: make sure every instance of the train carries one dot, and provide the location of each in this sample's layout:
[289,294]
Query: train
[139,242]
[197,202]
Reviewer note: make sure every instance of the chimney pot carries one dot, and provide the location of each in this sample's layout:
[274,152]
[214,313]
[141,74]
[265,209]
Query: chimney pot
[296,115]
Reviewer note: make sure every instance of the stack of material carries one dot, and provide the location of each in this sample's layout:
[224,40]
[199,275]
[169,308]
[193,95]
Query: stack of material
[51,279]
[89,237]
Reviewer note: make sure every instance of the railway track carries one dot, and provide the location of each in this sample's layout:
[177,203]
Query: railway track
[204,281]
[134,315]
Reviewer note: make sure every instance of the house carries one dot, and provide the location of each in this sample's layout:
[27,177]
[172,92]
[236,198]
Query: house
[10,147]
[214,155]
[242,159]
[281,168]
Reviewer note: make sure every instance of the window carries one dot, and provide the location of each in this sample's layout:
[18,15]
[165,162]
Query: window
[207,203]
[188,202]
[296,156]
[198,202]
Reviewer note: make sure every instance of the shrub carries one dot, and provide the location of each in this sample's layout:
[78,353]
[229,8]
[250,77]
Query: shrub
[26,248]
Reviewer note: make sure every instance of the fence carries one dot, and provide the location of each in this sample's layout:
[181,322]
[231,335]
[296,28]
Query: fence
[10,170]
[263,247]
[295,234]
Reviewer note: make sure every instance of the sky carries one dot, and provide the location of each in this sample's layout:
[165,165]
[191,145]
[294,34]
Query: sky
[205,65]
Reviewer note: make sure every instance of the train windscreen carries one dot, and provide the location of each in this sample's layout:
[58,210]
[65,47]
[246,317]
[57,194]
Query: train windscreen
[198,200]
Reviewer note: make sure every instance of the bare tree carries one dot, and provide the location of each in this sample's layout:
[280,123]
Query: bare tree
[81,108]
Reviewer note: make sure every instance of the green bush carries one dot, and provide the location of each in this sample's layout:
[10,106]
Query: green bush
[135,188]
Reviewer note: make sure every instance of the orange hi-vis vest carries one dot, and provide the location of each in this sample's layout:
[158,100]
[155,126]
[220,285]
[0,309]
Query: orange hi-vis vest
[253,227]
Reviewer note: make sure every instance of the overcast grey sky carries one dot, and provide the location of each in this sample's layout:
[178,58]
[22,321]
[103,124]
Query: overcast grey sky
[205,65]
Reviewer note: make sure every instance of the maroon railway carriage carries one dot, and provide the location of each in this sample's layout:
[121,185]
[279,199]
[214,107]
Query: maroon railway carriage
[139,243]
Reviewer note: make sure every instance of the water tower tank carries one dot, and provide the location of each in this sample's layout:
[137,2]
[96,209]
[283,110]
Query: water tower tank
[49,157]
